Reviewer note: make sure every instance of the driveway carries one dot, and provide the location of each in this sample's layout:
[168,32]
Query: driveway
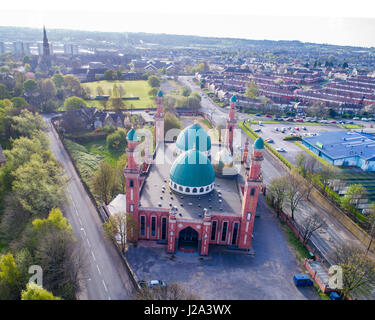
[230,275]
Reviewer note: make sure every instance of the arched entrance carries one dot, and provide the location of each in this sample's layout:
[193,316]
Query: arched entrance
[188,240]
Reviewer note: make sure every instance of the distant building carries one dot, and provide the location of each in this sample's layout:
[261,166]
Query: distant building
[344,148]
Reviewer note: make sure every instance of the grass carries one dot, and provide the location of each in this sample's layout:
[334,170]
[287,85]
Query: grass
[301,251]
[87,163]
[99,147]
[136,88]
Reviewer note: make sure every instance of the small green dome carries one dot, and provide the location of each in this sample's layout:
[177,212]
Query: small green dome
[132,135]
[233,99]
[194,137]
[160,94]
[259,144]
[192,169]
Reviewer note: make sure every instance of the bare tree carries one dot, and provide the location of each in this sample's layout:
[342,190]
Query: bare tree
[358,270]
[310,225]
[296,192]
[173,291]
[326,173]
[371,220]
[121,227]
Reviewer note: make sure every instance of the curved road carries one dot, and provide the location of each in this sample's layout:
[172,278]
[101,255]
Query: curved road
[106,277]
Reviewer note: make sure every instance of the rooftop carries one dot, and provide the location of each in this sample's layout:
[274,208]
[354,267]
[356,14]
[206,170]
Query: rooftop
[225,198]
[343,144]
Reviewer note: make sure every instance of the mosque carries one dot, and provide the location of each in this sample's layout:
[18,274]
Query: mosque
[196,197]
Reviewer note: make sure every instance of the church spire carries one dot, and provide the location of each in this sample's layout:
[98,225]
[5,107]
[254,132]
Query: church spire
[46,51]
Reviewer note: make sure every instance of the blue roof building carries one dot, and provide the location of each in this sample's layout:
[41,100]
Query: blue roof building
[344,148]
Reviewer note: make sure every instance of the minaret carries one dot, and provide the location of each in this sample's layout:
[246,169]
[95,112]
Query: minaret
[46,51]
[159,119]
[132,174]
[250,196]
[245,152]
[231,123]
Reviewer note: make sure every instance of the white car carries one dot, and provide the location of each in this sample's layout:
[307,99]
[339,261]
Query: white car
[280,149]
[156,283]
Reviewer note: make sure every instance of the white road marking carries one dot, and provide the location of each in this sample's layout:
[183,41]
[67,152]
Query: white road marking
[98,269]
[89,243]
[105,287]
[84,231]
[92,253]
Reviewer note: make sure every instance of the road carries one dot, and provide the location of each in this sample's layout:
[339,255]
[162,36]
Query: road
[106,276]
[335,233]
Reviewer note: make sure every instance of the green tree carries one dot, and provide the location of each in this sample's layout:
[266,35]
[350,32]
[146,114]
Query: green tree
[277,192]
[4,92]
[171,121]
[25,124]
[185,91]
[19,102]
[9,278]
[117,140]
[72,86]
[154,81]
[99,91]
[251,89]
[30,85]
[35,292]
[38,185]
[104,182]
[58,80]
[72,103]
[153,92]
[109,74]
[353,195]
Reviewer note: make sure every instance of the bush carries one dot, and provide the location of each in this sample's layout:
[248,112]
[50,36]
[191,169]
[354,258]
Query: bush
[292,138]
[117,140]
[72,103]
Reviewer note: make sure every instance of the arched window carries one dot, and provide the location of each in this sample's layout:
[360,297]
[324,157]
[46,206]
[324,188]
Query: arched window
[175,186]
[207,188]
[194,190]
[201,190]
[187,189]
[180,188]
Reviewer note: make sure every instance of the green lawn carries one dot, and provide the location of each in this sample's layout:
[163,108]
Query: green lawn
[138,88]
[99,148]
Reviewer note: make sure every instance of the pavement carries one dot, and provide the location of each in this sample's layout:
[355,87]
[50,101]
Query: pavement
[230,275]
[106,277]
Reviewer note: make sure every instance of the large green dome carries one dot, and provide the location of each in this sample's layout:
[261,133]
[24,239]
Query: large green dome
[192,169]
[194,137]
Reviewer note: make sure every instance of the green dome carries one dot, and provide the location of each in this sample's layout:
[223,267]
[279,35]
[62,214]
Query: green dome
[192,137]
[160,94]
[259,144]
[192,169]
[132,135]
[233,99]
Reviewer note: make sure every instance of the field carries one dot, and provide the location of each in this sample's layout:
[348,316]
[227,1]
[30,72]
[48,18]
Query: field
[139,88]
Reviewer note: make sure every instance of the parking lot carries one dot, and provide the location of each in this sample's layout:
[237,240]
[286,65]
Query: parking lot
[229,275]
[274,131]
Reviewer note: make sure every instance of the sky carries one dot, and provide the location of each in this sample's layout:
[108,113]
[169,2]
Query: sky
[321,21]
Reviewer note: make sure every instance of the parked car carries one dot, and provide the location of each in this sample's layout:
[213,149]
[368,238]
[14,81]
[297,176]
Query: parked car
[364,119]
[302,280]
[268,115]
[333,121]
[304,128]
[355,118]
[257,130]
[280,149]
[260,123]
[276,129]
[296,128]
[299,120]
[269,140]
[258,114]
[156,283]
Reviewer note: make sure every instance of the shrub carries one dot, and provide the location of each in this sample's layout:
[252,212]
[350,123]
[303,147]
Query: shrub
[117,140]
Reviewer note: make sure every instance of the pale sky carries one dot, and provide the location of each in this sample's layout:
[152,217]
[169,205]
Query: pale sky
[322,21]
